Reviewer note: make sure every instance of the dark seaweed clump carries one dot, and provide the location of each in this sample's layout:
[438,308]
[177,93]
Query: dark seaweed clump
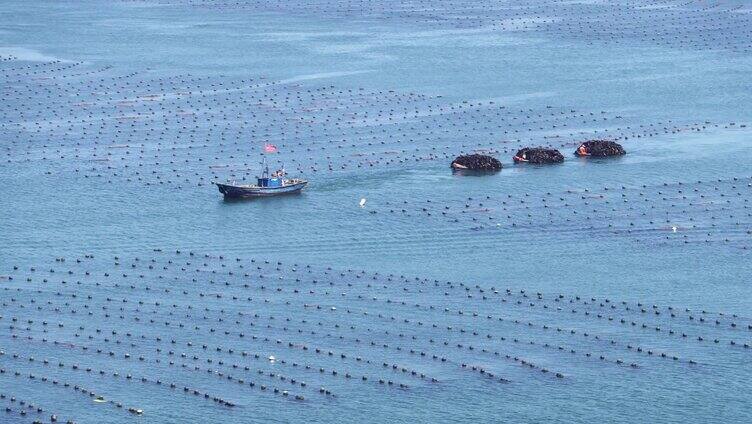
[602,148]
[538,155]
[476,162]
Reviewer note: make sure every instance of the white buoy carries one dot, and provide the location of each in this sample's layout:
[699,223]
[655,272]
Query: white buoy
[362,202]
[674,228]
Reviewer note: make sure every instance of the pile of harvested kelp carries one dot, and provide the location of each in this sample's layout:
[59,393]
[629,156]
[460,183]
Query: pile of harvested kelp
[538,155]
[476,162]
[600,148]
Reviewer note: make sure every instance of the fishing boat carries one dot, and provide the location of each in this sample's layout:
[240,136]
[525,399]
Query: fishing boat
[266,185]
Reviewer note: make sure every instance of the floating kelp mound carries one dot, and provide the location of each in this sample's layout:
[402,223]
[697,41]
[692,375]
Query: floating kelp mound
[476,162]
[600,148]
[538,155]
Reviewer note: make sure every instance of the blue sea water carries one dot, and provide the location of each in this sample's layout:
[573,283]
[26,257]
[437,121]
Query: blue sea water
[458,298]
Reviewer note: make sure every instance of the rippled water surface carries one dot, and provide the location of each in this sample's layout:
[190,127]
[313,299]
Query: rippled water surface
[594,290]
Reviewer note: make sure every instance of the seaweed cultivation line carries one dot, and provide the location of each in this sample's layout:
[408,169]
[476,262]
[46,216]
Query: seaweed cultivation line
[697,25]
[183,131]
[311,333]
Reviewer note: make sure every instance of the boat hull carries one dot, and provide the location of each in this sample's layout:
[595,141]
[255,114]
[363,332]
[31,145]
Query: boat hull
[244,192]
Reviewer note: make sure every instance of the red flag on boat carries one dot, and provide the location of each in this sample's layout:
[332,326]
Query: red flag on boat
[270,148]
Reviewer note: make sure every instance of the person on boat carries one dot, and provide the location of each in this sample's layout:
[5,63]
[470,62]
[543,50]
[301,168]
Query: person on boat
[456,165]
[582,150]
[522,158]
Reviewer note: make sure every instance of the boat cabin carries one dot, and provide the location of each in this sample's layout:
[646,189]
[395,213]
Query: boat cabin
[270,182]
